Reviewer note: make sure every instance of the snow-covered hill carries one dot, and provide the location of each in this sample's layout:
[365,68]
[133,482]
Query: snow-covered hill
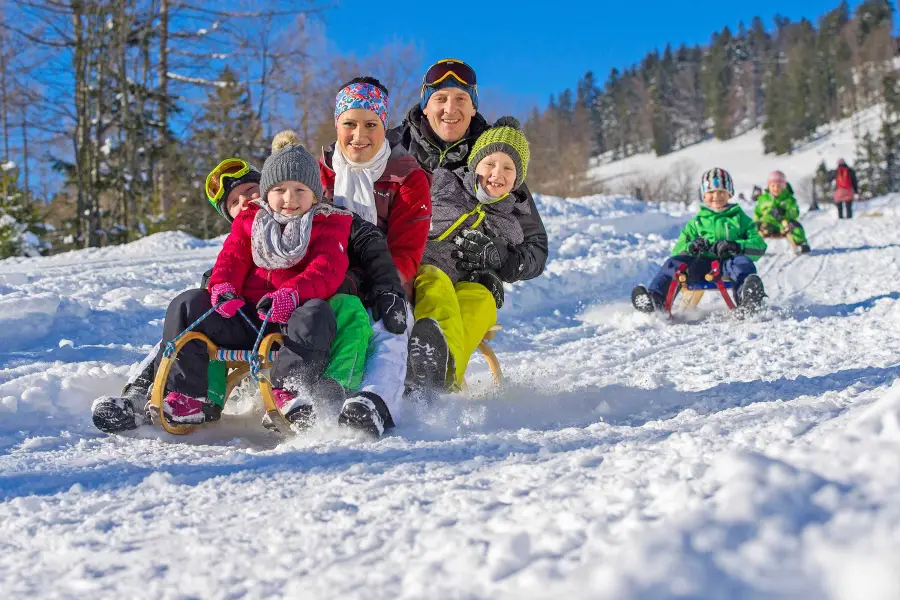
[627,458]
[743,157]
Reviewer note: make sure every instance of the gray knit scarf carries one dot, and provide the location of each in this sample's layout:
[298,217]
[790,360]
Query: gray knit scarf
[280,242]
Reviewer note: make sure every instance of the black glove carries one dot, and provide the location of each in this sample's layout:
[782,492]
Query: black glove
[390,309]
[777,213]
[725,248]
[698,246]
[478,251]
[491,281]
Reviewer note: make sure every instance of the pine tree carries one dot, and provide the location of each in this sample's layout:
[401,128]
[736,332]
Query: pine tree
[227,127]
[661,86]
[21,225]
[588,95]
[890,133]
[717,81]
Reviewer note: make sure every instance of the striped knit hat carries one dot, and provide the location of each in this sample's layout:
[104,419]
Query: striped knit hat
[505,136]
[717,179]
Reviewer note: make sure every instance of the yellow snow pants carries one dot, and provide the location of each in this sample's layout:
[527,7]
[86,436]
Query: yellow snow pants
[464,312]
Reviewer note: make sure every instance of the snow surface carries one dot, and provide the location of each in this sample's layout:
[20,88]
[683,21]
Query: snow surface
[627,458]
[743,157]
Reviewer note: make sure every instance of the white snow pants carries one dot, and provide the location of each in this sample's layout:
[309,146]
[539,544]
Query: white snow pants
[386,365]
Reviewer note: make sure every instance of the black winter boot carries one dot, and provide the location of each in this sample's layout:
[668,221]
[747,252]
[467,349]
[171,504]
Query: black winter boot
[646,301]
[429,356]
[366,412]
[751,294]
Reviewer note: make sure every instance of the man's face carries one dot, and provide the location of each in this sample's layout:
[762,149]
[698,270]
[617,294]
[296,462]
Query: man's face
[449,112]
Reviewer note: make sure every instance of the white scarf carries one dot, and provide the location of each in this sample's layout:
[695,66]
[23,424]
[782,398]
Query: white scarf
[354,183]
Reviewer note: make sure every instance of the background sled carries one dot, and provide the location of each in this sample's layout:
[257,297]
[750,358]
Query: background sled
[785,233]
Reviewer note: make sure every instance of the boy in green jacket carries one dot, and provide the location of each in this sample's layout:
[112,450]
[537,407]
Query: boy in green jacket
[720,231]
[777,210]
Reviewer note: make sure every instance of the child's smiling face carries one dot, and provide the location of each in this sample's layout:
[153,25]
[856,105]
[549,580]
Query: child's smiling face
[240,197]
[776,187]
[291,198]
[716,200]
[496,174]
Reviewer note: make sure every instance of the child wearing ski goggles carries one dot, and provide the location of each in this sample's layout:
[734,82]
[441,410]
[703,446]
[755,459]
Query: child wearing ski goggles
[231,186]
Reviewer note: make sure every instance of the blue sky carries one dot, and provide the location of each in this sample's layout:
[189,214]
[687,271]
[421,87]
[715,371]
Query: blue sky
[533,49]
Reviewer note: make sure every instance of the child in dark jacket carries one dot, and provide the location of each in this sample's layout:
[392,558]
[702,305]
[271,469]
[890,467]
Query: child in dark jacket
[287,254]
[457,299]
[720,231]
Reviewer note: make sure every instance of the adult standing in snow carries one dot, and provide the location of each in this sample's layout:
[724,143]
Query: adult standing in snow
[846,187]
[383,185]
[440,131]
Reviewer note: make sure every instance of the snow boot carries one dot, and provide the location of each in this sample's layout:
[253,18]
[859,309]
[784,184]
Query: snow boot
[646,301]
[804,249]
[751,294]
[186,410]
[296,408]
[429,356]
[366,412]
[112,414]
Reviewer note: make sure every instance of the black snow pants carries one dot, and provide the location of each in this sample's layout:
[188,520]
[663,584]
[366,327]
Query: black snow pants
[308,335]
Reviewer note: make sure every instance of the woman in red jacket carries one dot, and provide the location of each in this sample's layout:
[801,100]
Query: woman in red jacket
[286,254]
[384,186]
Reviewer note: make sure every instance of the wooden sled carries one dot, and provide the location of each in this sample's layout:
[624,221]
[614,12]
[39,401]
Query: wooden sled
[785,233]
[692,292]
[238,363]
[489,356]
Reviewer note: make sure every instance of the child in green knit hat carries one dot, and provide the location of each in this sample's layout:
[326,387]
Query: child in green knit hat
[474,222]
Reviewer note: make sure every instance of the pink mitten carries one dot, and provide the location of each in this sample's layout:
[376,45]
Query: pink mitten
[225,292]
[282,303]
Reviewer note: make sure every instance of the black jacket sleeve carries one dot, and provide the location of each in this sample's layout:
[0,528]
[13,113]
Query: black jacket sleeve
[527,260]
[369,249]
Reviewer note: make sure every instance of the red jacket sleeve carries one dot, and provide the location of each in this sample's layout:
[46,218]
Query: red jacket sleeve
[408,223]
[236,257]
[326,258]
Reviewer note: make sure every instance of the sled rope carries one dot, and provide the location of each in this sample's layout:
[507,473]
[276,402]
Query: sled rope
[255,362]
[170,346]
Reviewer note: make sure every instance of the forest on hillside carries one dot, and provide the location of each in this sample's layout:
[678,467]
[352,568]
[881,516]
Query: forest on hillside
[112,111]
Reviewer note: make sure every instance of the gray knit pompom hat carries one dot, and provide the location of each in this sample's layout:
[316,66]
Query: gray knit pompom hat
[290,161]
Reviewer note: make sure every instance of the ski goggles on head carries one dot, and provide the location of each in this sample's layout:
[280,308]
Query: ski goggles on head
[447,68]
[230,168]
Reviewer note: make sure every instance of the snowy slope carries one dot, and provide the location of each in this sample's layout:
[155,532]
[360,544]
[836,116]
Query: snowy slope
[628,458]
[743,157]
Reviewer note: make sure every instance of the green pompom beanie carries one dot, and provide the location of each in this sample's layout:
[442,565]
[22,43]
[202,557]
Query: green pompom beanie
[505,136]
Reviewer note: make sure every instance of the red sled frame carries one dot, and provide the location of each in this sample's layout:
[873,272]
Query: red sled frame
[693,292]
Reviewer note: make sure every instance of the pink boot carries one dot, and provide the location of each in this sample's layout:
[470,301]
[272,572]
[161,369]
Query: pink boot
[296,409]
[182,409]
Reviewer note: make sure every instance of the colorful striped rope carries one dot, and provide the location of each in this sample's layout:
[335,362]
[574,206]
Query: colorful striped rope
[241,355]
